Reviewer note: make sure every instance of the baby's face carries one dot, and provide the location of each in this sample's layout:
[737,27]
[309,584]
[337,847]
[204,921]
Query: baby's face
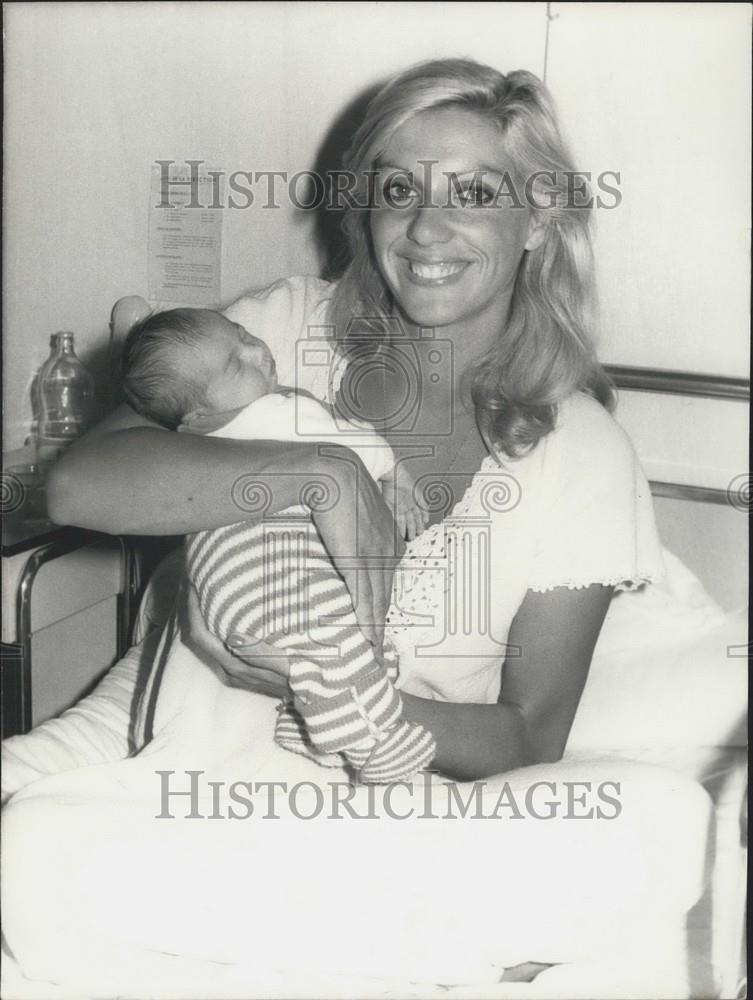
[237,366]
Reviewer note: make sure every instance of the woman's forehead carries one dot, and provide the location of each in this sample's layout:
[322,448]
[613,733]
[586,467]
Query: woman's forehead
[457,139]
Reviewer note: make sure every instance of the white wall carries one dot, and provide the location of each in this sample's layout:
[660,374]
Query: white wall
[661,93]
[94,93]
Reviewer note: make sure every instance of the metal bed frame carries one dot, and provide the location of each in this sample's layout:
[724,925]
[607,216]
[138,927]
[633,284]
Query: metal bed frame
[664,381]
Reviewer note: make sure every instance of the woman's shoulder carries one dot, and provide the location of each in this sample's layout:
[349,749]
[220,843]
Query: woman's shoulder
[586,431]
[293,301]
[593,510]
[304,288]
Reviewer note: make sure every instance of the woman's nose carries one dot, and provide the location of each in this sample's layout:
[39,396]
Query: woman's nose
[429,225]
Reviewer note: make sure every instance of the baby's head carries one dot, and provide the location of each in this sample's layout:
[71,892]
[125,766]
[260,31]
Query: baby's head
[186,363]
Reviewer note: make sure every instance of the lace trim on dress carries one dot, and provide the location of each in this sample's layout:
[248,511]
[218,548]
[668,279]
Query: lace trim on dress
[421,579]
[621,582]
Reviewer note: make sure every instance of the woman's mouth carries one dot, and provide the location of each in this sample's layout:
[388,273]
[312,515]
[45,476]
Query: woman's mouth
[436,272]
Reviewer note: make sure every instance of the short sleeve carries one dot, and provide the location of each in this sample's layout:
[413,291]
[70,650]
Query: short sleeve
[290,316]
[595,518]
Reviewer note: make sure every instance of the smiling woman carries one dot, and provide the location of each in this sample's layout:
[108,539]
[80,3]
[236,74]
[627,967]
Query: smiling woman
[477,223]
[446,265]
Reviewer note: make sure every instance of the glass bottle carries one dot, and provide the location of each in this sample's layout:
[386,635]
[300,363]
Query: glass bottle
[65,391]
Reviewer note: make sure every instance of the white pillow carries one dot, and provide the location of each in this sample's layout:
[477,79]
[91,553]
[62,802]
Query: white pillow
[689,691]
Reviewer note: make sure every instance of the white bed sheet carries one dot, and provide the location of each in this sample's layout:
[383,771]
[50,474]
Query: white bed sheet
[577,981]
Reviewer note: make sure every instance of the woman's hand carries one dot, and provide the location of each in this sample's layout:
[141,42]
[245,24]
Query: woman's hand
[249,666]
[361,538]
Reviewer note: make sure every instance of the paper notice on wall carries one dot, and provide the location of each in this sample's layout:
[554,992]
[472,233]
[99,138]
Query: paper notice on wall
[185,233]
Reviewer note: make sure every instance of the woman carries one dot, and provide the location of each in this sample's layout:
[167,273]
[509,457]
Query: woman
[470,243]
[508,288]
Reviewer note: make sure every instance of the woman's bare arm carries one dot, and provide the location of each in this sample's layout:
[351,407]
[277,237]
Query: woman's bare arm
[556,633]
[129,476]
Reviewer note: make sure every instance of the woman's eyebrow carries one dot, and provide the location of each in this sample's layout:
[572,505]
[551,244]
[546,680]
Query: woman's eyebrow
[482,168]
[380,164]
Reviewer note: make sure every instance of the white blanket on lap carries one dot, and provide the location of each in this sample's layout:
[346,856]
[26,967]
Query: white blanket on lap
[120,900]
[116,890]
[105,898]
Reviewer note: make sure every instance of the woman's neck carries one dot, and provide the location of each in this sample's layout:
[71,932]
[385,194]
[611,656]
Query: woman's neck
[469,340]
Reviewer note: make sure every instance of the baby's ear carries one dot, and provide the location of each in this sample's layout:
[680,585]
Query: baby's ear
[193,417]
[126,313]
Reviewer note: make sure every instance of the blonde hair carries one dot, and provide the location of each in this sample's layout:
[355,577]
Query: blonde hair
[545,352]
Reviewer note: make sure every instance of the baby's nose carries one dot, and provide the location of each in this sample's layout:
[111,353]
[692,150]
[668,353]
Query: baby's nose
[264,359]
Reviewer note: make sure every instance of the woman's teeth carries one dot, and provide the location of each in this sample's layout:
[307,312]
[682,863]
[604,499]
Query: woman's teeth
[433,271]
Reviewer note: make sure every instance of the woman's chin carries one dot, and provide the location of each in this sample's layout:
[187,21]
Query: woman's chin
[440,304]
[430,309]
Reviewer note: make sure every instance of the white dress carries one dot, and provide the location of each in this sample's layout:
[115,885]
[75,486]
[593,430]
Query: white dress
[575,511]
[109,900]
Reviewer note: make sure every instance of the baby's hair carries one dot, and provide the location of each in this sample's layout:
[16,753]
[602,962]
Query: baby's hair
[154,383]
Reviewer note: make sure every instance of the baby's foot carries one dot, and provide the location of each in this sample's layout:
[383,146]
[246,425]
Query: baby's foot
[351,717]
[395,756]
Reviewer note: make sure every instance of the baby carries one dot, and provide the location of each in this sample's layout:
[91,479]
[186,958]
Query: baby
[195,370]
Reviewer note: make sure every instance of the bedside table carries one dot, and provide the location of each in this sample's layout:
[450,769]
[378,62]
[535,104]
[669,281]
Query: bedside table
[67,605]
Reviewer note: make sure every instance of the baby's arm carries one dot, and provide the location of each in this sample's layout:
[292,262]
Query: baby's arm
[398,489]
[396,482]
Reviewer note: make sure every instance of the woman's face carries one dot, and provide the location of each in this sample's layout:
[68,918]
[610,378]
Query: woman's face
[447,238]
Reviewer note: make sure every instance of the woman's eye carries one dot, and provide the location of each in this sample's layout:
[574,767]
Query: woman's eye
[477,195]
[398,193]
